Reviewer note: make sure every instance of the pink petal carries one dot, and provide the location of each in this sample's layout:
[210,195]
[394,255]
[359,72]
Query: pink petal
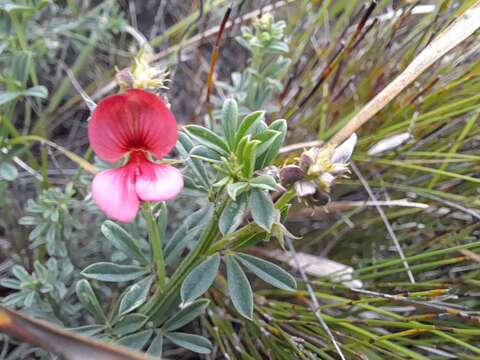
[158,182]
[134,120]
[114,193]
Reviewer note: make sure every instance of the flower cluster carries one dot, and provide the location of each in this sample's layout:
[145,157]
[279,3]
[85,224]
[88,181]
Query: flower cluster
[136,125]
[316,171]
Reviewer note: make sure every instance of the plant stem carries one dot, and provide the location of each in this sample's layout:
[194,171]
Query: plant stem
[163,299]
[156,244]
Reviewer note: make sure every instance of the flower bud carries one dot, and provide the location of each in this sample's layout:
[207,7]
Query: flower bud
[308,158]
[320,198]
[343,153]
[290,174]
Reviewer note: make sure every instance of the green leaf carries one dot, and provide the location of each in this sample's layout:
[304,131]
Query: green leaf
[200,279]
[277,46]
[249,157]
[110,272]
[136,341]
[262,209]
[229,120]
[156,347]
[186,315]
[239,288]
[187,232]
[266,138]
[129,324]
[135,296]
[236,189]
[201,152]
[268,272]
[271,153]
[89,301]
[184,146]
[8,171]
[207,138]
[36,91]
[277,67]
[247,124]
[123,241]
[232,215]
[265,182]
[194,343]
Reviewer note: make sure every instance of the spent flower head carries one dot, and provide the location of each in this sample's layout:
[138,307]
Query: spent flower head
[143,75]
[317,169]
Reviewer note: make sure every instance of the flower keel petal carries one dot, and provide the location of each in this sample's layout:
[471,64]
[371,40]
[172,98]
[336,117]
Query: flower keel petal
[158,182]
[114,193]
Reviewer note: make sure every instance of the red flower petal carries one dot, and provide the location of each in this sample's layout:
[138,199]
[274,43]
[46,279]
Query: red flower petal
[158,182]
[114,192]
[134,120]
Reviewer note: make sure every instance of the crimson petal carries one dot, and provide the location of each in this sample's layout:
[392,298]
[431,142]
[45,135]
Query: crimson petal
[134,120]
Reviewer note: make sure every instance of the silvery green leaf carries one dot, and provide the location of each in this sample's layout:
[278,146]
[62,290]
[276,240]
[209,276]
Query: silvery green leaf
[239,288]
[8,171]
[265,182]
[89,300]
[135,295]
[229,120]
[271,153]
[186,315]
[262,209]
[236,189]
[156,347]
[195,343]
[201,152]
[136,341]
[268,272]
[343,152]
[184,146]
[208,138]
[266,138]
[232,215]
[200,279]
[129,324]
[123,241]
[247,124]
[110,272]
[248,157]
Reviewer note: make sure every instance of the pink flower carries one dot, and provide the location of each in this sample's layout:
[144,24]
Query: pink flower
[139,125]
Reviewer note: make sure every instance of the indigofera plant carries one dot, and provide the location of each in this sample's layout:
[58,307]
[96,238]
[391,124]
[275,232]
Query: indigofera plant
[231,169]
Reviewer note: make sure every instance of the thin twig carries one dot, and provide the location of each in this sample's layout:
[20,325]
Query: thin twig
[300,146]
[385,221]
[86,98]
[464,26]
[315,306]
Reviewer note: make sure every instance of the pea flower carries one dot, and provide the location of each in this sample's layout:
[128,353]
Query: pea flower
[138,125]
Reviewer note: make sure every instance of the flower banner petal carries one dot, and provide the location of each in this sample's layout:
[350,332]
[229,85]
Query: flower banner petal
[134,120]
[114,193]
[158,182]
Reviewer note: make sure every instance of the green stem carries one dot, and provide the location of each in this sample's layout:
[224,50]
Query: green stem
[156,243]
[161,300]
